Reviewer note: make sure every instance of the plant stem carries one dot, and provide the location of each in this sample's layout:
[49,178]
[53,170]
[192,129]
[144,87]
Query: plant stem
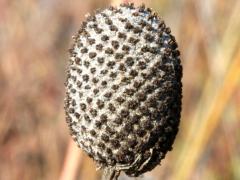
[110,174]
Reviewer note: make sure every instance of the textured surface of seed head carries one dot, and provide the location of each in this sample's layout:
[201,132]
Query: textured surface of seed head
[124,90]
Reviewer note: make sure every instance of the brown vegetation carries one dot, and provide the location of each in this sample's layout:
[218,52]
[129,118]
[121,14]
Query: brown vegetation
[34,138]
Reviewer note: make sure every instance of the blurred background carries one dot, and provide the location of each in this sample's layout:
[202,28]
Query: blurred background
[34,138]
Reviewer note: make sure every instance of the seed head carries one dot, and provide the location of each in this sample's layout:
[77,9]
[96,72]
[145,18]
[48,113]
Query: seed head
[123,89]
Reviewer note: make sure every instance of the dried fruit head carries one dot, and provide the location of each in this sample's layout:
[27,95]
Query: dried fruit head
[124,90]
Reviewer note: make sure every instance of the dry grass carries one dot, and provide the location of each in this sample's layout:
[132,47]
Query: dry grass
[34,139]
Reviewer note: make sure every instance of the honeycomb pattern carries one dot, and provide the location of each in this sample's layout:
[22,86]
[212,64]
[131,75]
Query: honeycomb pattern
[123,88]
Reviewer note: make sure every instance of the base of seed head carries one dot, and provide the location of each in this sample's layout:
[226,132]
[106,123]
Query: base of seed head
[124,89]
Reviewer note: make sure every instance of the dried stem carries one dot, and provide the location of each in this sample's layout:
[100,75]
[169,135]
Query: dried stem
[71,163]
[211,119]
[110,174]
